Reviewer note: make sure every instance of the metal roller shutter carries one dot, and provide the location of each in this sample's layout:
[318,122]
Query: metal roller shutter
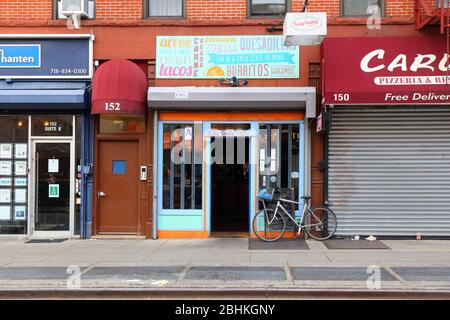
[389,170]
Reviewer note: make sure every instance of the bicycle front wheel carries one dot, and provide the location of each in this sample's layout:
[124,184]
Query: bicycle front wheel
[320,223]
[269,226]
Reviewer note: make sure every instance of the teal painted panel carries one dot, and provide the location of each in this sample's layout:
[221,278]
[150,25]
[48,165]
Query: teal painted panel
[180,222]
[180,212]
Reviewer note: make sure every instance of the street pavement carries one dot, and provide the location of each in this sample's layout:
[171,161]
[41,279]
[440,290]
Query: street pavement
[221,263]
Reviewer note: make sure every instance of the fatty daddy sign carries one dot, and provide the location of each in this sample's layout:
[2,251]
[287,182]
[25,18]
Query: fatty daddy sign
[390,70]
[215,57]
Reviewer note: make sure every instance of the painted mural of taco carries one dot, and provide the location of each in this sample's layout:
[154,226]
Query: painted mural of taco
[215,71]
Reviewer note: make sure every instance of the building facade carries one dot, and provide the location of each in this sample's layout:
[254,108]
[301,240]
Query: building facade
[46,134]
[232,137]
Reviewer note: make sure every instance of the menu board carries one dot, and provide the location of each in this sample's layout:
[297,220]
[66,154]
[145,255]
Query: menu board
[215,57]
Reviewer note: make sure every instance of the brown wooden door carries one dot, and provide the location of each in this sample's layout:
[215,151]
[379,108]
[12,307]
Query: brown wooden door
[118,187]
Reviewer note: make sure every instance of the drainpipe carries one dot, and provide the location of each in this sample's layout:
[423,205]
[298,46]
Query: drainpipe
[327,126]
[307,165]
[155,176]
[307,133]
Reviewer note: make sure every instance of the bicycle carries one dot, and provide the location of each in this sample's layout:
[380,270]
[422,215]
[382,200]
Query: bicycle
[270,225]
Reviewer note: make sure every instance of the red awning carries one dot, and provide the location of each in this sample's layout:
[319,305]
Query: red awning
[120,87]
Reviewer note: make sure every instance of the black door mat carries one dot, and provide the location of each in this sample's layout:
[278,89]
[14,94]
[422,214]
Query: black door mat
[46,240]
[343,244]
[283,244]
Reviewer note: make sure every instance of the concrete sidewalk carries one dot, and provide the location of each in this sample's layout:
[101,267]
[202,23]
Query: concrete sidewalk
[409,264]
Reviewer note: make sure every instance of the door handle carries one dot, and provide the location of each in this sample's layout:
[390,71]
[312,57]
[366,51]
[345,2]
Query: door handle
[101,194]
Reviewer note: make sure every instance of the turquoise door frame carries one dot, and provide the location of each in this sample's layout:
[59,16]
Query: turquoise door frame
[176,219]
[193,219]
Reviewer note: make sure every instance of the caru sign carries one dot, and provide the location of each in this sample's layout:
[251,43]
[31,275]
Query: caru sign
[20,56]
[389,70]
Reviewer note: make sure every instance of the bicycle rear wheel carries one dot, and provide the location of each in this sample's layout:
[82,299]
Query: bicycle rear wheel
[269,226]
[321,223]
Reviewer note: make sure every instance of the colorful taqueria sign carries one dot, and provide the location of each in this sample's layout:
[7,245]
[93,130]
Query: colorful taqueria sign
[215,57]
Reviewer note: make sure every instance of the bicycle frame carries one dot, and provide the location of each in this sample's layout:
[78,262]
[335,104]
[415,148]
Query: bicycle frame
[299,225]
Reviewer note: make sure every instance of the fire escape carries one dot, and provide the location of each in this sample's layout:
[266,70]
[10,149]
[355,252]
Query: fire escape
[433,13]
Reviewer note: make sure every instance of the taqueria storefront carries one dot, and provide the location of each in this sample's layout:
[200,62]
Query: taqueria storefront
[216,146]
[388,145]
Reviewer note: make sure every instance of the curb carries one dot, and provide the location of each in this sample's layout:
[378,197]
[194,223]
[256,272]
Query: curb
[230,293]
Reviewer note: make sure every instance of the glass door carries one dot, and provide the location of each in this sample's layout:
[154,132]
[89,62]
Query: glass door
[53,174]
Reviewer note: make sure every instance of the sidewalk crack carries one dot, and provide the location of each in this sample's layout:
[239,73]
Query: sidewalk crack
[155,251]
[287,270]
[56,254]
[183,273]
[394,274]
[329,259]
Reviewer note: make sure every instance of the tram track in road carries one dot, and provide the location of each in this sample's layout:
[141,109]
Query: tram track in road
[223,293]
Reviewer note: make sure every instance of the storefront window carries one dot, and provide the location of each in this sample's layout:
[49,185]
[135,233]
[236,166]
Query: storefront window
[121,124]
[182,166]
[13,174]
[279,157]
[51,126]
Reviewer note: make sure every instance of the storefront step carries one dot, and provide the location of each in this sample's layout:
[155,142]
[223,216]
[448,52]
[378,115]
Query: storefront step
[118,237]
[229,234]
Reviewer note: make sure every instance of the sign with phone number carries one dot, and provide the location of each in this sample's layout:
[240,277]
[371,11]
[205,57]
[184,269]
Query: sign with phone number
[45,58]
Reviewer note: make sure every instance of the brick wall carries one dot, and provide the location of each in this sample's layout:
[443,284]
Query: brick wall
[331,7]
[400,8]
[118,9]
[20,10]
[196,10]
[214,9]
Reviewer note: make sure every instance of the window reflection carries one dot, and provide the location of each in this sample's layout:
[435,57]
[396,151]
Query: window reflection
[13,187]
[51,125]
[121,123]
[358,7]
[182,166]
[279,157]
[268,7]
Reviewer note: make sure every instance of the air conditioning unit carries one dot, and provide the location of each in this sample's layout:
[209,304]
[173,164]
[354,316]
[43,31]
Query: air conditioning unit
[71,7]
